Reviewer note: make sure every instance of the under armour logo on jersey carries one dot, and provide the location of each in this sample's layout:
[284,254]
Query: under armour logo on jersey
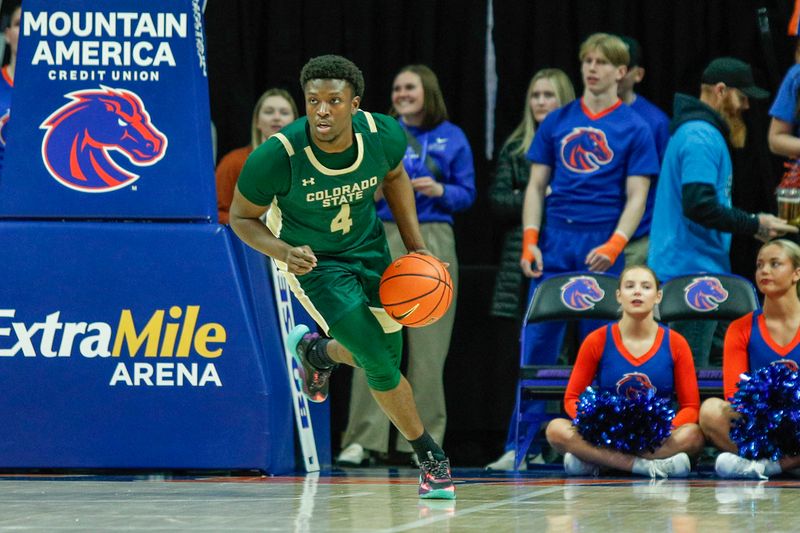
[585,150]
[307,182]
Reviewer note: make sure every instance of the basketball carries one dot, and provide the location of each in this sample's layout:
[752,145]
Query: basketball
[416,290]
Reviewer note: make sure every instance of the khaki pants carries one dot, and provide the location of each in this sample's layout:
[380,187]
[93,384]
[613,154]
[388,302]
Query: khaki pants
[427,350]
[636,251]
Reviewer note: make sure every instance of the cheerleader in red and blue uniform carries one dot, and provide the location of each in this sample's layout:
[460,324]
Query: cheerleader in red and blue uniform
[765,337]
[627,358]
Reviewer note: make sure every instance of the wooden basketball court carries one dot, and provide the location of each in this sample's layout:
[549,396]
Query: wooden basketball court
[385,500]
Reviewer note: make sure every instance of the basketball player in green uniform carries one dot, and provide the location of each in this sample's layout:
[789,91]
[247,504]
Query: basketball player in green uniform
[318,177]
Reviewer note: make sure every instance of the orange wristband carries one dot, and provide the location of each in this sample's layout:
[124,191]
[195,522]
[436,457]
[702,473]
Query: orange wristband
[613,246]
[530,237]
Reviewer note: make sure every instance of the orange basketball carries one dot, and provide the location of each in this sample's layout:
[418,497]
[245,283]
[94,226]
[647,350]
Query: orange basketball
[416,290]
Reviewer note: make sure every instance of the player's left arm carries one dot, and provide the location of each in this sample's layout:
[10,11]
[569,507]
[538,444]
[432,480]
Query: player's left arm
[685,379]
[601,258]
[399,194]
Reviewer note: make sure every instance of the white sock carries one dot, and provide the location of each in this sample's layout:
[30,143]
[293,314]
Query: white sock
[641,466]
[772,468]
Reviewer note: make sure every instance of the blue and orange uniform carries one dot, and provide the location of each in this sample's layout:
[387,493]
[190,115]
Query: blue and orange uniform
[590,155]
[749,346]
[668,368]
[6,86]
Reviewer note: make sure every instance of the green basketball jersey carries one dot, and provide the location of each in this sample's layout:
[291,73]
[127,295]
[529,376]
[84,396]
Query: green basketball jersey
[331,210]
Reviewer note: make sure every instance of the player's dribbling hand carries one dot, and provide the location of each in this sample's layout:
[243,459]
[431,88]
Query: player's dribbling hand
[531,262]
[300,260]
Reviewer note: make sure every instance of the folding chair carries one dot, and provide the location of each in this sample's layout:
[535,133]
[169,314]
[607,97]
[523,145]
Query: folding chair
[707,297]
[566,297]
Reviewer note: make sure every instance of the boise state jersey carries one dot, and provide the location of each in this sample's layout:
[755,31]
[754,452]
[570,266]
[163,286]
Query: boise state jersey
[621,373]
[762,350]
[331,210]
[785,105]
[591,156]
[6,85]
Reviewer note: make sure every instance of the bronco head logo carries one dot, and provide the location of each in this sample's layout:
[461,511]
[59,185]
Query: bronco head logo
[705,294]
[581,293]
[3,124]
[633,384]
[791,364]
[82,134]
[585,150]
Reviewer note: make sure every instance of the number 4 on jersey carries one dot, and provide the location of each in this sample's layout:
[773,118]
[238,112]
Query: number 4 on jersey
[342,221]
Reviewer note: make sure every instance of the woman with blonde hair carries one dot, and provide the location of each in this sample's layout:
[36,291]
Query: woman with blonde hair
[548,89]
[274,109]
[764,337]
[633,356]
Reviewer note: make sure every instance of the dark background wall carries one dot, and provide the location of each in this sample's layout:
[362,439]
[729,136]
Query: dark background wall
[257,44]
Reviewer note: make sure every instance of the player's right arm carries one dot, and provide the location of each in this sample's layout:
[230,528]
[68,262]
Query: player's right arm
[266,173]
[245,222]
[531,260]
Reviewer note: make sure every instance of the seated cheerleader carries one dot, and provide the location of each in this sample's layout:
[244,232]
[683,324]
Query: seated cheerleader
[629,356]
[760,338]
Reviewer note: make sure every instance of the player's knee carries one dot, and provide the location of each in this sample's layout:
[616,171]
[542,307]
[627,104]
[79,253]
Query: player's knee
[382,380]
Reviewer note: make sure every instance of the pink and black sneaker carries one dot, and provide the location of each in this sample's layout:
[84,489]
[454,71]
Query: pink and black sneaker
[316,382]
[435,482]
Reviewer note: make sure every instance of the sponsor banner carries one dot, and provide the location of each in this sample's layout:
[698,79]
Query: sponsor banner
[113,118]
[133,346]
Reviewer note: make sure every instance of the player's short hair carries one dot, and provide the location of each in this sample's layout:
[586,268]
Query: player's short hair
[434,110]
[611,46]
[333,67]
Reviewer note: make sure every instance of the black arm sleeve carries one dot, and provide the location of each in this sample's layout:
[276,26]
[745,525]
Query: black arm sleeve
[700,205]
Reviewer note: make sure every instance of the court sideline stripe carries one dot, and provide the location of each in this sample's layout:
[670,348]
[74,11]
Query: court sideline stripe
[472,510]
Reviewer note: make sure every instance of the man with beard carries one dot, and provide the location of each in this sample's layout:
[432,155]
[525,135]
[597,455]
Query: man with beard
[693,217]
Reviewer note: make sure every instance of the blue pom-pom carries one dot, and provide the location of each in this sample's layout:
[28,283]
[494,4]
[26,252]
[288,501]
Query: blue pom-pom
[630,425]
[769,402]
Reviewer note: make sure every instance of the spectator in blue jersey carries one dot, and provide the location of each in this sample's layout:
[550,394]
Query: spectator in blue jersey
[636,249]
[548,90]
[11,36]
[439,162]
[693,217]
[597,156]
[784,128]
